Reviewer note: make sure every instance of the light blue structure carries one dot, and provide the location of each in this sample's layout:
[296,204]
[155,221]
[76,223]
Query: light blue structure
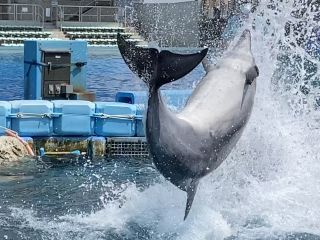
[74,58]
[176,99]
[73,118]
[32,118]
[5,111]
[98,129]
[115,119]
[173,98]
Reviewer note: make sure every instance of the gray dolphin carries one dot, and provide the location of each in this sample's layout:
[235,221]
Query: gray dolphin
[189,145]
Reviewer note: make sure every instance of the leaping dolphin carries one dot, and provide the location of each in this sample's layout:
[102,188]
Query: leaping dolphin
[189,145]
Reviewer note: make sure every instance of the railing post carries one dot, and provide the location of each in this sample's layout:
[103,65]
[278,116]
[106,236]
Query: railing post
[62,14]
[33,9]
[98,14]
[125,16]
[118,14]
[15,12]
[43,16]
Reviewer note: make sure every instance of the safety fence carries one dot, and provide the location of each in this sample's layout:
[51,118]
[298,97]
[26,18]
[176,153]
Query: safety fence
[33,13]
[70,13]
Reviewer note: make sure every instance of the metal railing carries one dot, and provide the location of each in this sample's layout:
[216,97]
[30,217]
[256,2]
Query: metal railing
[70,13]
[225,7]
[96,2]
[129,18]
[22,12]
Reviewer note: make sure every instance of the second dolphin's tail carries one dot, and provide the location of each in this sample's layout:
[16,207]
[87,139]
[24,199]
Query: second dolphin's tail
[158,68]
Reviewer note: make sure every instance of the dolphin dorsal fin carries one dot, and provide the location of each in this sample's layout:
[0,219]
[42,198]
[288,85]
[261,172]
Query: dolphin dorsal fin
[158,68]
[191,192]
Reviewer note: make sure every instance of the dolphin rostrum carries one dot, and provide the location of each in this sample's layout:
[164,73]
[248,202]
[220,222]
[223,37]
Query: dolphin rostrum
[189,145]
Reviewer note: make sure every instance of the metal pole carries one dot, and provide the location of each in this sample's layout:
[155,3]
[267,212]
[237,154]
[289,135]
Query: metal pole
[125,16]
[42,17]
[99,14]
[15,12]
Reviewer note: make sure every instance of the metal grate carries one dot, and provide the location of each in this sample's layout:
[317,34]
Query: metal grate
[127,147]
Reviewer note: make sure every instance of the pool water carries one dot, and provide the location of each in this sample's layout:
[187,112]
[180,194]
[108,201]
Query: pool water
[106,74]
[268,188]
[73,190]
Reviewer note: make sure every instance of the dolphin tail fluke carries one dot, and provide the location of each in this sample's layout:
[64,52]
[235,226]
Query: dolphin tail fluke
[158,68]
[140,60]
[191,192]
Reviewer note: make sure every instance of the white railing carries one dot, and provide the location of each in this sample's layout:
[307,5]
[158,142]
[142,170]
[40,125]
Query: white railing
[22,12]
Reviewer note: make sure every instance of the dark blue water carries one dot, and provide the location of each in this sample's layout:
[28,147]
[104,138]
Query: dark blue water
[106,74]
[46,194]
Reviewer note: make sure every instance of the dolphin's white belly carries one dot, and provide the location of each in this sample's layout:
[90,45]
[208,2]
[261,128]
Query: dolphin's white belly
[214,115]
[216,101]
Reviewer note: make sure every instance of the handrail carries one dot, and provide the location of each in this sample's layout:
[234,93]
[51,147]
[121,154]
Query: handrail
[20,11]
[106,7]
[226,8]
[128,21]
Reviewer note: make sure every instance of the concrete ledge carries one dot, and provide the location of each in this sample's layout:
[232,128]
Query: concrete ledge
[60,144]
[20,23]
[96,147]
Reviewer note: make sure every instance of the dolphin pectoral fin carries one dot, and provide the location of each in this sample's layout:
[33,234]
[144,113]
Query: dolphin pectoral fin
[191,192]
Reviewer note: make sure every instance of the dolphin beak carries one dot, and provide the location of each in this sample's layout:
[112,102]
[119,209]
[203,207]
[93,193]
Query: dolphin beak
[244,42]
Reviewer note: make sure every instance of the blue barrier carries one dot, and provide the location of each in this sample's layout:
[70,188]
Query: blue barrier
[32,118]
[123,118]
[5,111]
[115,119]
[175,99]
[73,118]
